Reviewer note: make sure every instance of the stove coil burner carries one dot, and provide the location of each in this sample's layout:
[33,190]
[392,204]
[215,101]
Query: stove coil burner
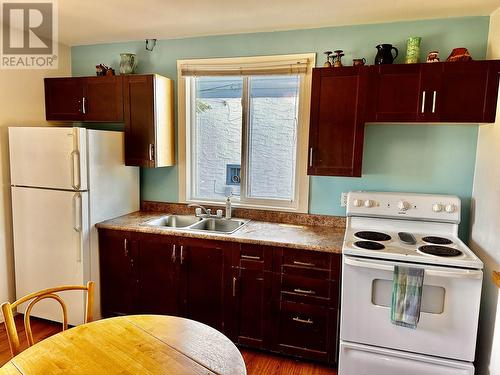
[369,245]
[437,240]
[372,236]
[442,251]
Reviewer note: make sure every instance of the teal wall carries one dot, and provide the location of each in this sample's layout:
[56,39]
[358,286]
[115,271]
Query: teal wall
[415,158]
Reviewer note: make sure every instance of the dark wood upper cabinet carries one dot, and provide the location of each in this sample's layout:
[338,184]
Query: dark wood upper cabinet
[149,122]
[336,132]
[468,92]
[461,92]
[63,99]
[103,99]
[90,99]
[395,93]
[343,99]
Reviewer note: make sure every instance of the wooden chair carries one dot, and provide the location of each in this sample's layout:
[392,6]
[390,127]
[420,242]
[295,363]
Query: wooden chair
[10,324]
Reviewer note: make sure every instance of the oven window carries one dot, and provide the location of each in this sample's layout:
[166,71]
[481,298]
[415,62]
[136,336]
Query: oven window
[432,296]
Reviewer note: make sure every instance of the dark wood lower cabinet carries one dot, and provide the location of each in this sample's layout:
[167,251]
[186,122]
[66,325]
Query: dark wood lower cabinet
[251,307]
[282,300]
[306,330]
[158,276]
[202,283]
[118,273]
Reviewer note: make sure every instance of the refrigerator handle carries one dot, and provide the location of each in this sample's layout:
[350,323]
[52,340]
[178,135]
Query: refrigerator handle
[75,170]
[77,224]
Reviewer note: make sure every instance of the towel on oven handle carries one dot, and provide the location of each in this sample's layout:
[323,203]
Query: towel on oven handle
[407,284]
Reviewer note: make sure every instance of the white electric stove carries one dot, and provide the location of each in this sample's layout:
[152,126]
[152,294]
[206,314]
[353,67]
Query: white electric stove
[416,230]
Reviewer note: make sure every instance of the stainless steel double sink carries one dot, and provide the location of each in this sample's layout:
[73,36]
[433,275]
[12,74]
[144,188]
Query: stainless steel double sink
[194,223]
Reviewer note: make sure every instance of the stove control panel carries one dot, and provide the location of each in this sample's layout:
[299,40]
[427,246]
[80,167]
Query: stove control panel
[411,206]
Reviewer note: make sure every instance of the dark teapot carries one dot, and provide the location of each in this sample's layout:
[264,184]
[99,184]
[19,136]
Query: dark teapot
[384,54]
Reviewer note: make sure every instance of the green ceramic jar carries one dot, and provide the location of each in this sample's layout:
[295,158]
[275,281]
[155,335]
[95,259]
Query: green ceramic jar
[413,50]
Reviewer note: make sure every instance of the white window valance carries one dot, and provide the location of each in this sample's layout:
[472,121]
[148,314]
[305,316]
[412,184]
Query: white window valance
[245,68]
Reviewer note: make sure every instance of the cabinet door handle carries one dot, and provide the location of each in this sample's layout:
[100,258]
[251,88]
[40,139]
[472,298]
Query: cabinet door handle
[423,102]
[84,107]
[151,152]
[310,156]
[434,95]
[303,291]
[174,258]
[182,254]
[297,263]
[308,321]
[125,247]
[251,257]
[234,286]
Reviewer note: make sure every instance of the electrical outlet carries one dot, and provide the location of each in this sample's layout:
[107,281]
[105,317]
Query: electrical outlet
[343,200]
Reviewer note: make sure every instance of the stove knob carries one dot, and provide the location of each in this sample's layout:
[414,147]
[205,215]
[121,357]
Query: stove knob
[437,207]
[368,203]
[450,208]
[403,205]
[357,202]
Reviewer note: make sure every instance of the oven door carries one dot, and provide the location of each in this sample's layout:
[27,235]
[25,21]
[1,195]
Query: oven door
[449,310]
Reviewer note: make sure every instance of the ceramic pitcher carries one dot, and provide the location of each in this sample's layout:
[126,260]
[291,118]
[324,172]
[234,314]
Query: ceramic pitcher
[384,54]
[128,62]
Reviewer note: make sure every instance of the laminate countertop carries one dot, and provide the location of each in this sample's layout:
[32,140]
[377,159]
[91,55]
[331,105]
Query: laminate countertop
[317,238]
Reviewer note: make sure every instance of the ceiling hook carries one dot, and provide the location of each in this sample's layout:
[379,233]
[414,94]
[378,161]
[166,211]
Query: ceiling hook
[150,44]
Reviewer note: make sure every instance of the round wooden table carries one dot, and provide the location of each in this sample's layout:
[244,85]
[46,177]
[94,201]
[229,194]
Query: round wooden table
[135,344]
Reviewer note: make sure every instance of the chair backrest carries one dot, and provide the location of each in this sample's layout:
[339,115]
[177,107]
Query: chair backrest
[10,324]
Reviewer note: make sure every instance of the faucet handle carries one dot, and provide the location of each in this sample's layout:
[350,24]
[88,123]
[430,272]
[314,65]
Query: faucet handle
[197,211]
[219,213]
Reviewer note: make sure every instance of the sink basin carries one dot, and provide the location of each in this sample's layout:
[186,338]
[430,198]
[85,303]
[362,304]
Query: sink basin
[174,221]
[219,225]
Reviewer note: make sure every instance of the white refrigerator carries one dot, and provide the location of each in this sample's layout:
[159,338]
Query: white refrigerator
[63,182]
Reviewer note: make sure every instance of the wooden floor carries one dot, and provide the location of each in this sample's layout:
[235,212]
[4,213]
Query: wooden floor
[257,362]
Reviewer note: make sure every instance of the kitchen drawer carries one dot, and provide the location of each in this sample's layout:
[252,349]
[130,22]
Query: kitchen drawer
[303,289]
[254,257]
[302,263]
[305,330]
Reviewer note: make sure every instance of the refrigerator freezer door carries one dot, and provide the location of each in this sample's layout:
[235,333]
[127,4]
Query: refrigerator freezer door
[53,158]
[357,359]
[51,247]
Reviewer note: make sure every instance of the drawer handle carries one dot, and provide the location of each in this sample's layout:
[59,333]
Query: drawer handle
[298,320]
[251,257]
[303,291]
[297,263]
[234,286]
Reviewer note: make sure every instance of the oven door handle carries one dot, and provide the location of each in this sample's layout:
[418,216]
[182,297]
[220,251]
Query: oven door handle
[456,274]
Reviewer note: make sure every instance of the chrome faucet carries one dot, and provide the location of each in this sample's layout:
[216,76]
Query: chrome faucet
[207,211]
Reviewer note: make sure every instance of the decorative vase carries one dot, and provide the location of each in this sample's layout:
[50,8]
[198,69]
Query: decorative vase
[413,50]
[128,63]
[433,57]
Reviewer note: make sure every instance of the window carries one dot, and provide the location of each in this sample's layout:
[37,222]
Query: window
[243,131]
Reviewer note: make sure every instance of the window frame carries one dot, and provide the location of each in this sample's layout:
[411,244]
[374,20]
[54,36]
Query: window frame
[185,114]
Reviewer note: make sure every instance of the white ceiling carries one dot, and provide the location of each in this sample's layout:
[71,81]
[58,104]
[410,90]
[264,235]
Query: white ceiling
[91,21]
